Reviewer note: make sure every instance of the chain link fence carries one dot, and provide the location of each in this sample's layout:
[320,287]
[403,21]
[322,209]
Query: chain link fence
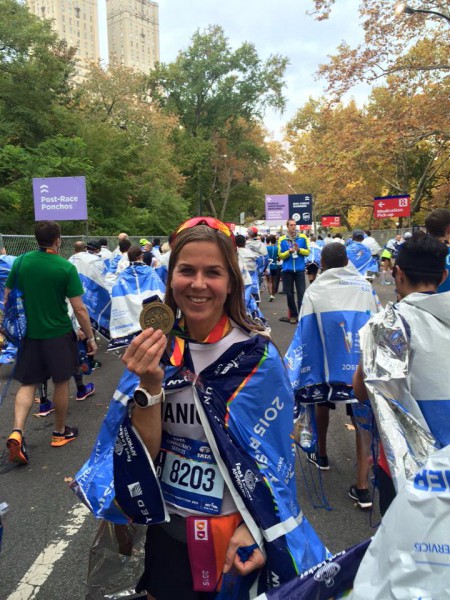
[384,235]
[18,244]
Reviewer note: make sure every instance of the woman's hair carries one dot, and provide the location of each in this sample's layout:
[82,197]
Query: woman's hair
[271,239]
[234,304]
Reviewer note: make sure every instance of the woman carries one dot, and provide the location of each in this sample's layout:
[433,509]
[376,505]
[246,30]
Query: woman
[221,439]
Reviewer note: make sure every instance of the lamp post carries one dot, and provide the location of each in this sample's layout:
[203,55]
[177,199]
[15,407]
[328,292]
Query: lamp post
[403,8]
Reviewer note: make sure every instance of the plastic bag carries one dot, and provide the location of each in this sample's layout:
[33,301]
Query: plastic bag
[409,557]
[116,561]
[14,326]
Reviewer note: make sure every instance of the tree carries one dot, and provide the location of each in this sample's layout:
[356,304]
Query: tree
[129,146]
[411,46]
[324,143]
[408,134]
[37,131]
[35,72]
[219,96]
[397,144]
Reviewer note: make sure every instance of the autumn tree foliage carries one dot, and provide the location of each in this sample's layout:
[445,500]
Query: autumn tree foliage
[399,141]
[396,144]
[408,45]
[325,145]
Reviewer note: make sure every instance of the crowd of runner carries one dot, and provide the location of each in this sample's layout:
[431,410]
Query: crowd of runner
[198,437]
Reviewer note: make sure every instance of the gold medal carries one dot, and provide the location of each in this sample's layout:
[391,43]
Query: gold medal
[158,316]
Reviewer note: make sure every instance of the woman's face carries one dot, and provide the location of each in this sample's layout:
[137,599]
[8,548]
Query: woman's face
[200,285]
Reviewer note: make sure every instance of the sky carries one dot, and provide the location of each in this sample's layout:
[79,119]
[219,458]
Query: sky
[273,26]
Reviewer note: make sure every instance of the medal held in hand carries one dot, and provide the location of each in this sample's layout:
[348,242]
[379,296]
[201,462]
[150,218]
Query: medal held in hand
[158,316]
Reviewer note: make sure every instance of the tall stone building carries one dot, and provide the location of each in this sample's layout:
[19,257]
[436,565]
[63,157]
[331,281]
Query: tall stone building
[76,21]
[133,33]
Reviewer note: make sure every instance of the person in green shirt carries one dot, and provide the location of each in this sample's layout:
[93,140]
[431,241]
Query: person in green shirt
[49,349]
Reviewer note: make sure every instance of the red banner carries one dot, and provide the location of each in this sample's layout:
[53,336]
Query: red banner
[305,227]
[231,226]
[331,221]
[388,207]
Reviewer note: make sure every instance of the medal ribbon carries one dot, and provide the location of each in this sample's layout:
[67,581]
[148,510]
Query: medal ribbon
[218,332]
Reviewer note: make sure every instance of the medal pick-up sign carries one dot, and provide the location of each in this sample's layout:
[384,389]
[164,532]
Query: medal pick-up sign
[60,198]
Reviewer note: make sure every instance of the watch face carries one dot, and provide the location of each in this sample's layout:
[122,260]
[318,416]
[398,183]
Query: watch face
[140,398]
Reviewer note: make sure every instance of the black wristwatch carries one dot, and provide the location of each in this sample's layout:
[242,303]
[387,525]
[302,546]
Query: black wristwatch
[144,399]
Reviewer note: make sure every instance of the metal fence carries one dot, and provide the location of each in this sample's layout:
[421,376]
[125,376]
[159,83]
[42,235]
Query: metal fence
[18,244]
[384,235]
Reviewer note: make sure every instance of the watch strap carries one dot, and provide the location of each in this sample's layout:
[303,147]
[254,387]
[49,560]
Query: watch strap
[151,399]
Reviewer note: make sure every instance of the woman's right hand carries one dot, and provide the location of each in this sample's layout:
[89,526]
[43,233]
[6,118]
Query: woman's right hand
[143,358]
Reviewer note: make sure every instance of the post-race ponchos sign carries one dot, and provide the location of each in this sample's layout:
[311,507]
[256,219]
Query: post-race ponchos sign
[60,198]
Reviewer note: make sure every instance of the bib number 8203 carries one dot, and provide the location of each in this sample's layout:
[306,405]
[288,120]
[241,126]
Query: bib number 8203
[192,477]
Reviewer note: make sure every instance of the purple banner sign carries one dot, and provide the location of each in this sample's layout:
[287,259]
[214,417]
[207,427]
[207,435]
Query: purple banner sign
[277,208]
[60,198]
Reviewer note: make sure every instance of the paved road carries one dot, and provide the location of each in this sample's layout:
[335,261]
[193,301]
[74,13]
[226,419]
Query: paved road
[47,533]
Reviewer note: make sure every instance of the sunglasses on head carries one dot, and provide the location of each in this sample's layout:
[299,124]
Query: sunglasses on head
[209,222]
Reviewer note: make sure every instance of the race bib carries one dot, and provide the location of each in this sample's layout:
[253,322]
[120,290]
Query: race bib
[189,475]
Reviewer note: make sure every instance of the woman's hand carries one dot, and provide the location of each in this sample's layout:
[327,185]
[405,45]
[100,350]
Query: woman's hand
[143,356]
[241,538]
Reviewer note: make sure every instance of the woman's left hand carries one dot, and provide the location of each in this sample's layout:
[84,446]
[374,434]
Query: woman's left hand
[241,538]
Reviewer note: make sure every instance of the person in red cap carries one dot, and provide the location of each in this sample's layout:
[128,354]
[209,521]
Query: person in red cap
[254,243]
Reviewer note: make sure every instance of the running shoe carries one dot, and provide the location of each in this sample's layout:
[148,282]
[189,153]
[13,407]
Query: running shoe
[362,497]
[61,439]
[45,408]
[16,446]
[321,462]
[87,390]
[293,320]
[272,298]
[285,319]
[96,364]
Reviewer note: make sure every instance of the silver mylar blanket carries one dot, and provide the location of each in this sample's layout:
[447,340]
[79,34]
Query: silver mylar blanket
[387,353]
[409,557]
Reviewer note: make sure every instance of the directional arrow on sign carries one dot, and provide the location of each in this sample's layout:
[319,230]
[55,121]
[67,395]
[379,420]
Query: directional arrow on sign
[381,204]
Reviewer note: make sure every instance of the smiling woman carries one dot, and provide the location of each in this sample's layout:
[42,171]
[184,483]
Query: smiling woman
[200,285]
[208,451]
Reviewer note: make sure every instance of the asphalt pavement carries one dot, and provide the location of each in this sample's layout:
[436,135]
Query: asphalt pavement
[48,533]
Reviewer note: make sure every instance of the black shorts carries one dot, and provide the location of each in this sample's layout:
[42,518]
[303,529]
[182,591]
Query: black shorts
[167,574]
[332,406]
[38,360]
